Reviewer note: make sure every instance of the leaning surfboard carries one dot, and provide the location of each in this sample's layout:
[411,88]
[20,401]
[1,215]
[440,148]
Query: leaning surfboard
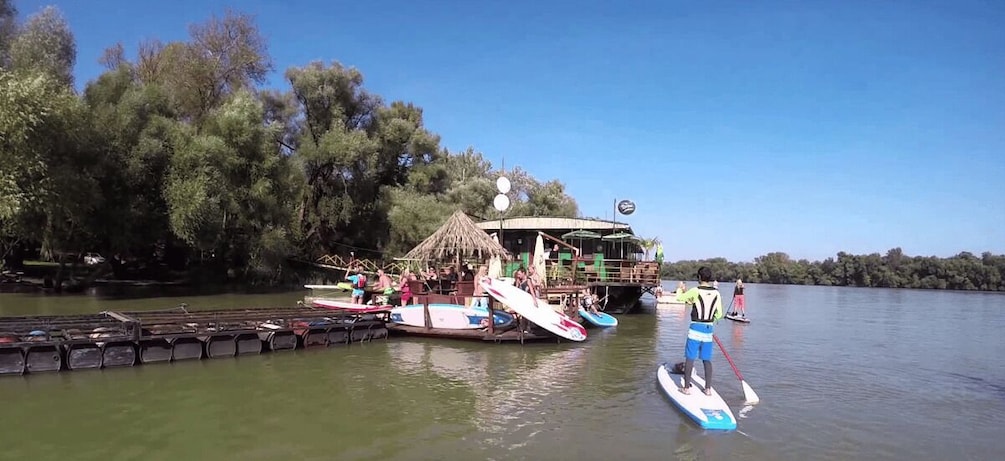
[541,314]
[350,307]
[709,411]
[600,319]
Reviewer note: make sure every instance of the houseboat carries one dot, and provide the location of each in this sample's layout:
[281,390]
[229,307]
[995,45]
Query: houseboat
[604,256]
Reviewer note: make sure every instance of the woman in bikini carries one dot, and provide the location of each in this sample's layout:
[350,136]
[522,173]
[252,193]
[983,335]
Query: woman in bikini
[479,294]
[406,291]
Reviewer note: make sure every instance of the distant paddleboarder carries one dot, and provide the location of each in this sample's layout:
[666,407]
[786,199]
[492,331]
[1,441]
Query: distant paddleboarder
[706,309]
[738,301]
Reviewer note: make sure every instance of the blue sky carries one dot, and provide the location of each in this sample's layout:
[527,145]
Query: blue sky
[737,127]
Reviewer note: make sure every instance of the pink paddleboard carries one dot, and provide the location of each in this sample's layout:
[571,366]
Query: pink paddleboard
[542,315]
[348,306]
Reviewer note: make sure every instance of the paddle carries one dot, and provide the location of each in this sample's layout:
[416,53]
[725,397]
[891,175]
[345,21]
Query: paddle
[748,392]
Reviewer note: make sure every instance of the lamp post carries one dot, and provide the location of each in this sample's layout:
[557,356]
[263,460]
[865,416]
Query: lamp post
[501,202]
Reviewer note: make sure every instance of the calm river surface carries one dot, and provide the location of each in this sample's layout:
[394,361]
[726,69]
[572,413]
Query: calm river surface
[843,373]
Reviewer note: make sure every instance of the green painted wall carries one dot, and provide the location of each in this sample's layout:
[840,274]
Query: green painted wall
[524,260]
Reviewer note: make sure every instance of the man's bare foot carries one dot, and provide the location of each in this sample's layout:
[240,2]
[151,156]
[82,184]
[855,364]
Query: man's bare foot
[708,391]
[684,390]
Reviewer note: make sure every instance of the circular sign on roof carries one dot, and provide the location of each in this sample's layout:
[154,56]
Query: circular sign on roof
[501,202]
[626,207]
[503,185]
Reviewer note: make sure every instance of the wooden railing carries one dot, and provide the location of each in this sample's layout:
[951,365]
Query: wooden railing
[339,262]
[589,271]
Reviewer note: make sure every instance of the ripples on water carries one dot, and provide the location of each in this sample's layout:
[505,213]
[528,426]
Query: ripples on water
[842,373]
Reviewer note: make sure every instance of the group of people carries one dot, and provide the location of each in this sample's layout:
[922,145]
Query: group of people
[706,309]
[384,286]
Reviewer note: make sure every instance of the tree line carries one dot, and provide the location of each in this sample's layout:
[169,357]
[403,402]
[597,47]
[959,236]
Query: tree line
[179,156]
[964,271]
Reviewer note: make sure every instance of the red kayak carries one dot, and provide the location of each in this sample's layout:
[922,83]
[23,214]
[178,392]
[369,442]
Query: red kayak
[348,306]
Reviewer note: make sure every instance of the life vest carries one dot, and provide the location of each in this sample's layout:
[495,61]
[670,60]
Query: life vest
[704,309]
[360,281]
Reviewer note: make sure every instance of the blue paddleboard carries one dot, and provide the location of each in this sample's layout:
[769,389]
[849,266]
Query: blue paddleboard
[709,411]
[599,319]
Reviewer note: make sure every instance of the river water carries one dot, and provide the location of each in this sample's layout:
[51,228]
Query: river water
[842,373]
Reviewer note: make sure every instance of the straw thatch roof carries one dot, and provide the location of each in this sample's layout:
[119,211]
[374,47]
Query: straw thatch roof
[458,237]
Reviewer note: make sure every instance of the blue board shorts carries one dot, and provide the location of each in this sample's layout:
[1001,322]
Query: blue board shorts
[699,341]
[356,292]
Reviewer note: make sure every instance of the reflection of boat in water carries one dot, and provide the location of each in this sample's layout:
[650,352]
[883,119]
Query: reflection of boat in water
[457,363]
[513,387]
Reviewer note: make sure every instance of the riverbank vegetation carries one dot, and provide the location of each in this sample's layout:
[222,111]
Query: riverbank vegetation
[964,271]
[178,158]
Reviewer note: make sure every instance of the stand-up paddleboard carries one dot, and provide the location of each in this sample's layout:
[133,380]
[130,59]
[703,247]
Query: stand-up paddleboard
[670,299]
[600,319]
[448,316]
[542,314]
[709,411]
[341,286]
[737,318]
[348,306]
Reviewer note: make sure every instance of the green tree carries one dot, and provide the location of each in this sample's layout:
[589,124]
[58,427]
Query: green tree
[46,45]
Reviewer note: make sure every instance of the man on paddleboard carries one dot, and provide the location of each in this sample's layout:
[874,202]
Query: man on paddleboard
[706,309]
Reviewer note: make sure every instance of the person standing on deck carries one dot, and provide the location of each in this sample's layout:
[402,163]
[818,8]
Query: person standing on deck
[358,280]
[741,305]
[406,291]
[525,283]
[706,309]
[480,300]
[384,287]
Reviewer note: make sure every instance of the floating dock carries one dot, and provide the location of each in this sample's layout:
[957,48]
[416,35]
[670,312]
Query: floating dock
[38,344]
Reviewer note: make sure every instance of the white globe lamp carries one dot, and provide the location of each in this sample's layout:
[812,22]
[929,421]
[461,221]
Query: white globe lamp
[503,185]
[501,202]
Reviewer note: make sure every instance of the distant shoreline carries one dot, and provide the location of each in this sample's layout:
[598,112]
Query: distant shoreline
[963,272]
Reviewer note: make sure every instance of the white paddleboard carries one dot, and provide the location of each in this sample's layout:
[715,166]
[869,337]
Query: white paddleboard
[709,411]
[348,306]
[447,316]
[542,314]
[737,318]
[670,299]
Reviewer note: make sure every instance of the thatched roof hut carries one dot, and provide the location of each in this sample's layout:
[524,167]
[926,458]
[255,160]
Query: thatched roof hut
[456,239]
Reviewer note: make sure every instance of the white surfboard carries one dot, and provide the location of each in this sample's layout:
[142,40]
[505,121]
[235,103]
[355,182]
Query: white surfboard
[709,411]
[542,314]
[447,316]
[348,306]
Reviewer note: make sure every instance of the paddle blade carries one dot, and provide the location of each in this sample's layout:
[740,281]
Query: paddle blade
[748,393]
